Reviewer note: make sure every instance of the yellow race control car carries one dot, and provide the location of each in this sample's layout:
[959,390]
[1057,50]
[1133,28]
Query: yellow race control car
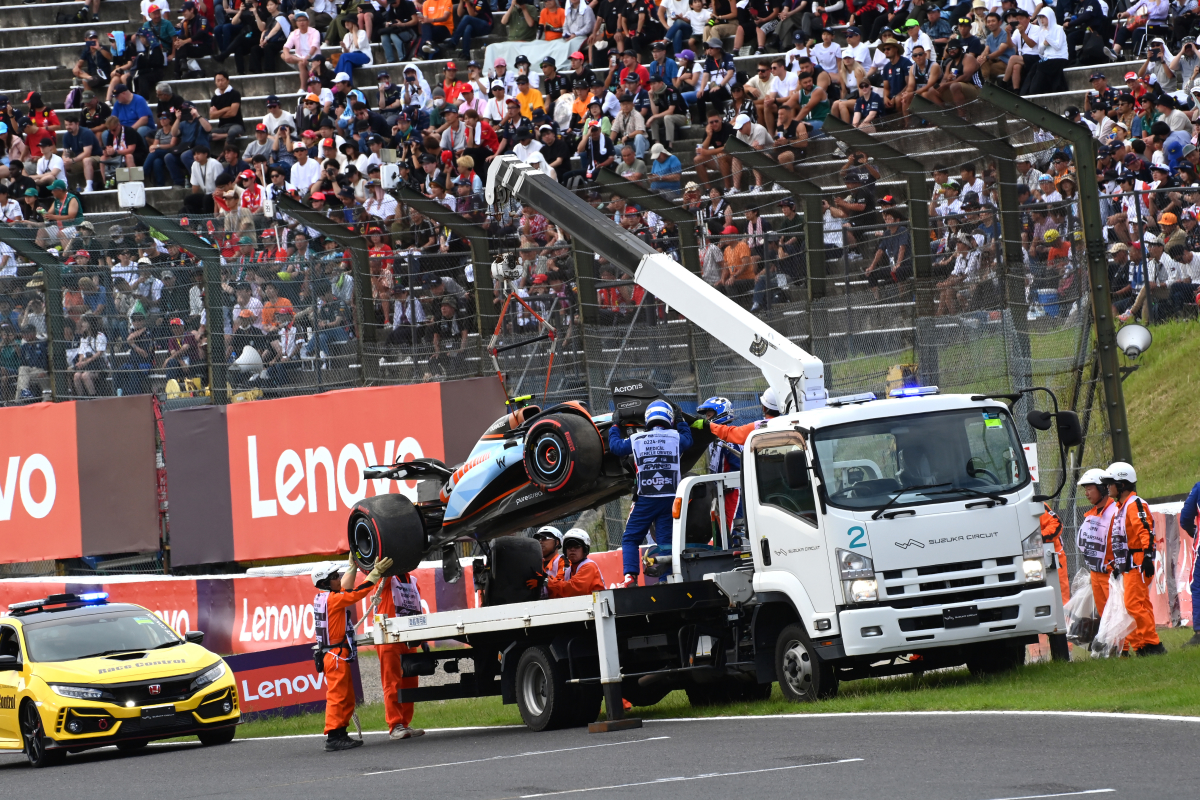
[77,672]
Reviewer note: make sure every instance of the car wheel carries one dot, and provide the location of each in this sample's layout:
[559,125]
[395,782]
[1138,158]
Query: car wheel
[36,742]
[562,452]
[133,746]
[513,561]
[386,525]
[542,694]
[803,676]
[223,736]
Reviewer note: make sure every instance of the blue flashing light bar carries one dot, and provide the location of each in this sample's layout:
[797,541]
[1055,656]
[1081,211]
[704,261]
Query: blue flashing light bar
[93,597]
[913,391]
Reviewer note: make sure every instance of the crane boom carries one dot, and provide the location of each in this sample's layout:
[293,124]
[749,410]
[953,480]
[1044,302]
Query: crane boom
[797,376]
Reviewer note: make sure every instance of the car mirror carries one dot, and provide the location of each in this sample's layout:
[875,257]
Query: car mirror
[795,469]
[194,637]
[10,662]
[1069,431]
[1039,419]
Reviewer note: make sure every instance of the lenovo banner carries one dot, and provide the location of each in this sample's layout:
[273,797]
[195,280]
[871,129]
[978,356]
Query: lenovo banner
[283,682]
[277,478]
[77,479]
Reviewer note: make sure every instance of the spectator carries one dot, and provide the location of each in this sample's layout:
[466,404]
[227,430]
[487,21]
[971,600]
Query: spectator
[194,131]
[34,363]
[93,113]
[204,174]
[193,42]
[631,167]
[356,51]
[333,319]
[737,272]
[474,19]
[185,353]
[132,110]
[629,128]
[88,359]
[666,171]
[712,150]
[437,25]
[226,108]
[50,167]
[400,29]
[94,64]
[165,141]
[133,366]
[62,217]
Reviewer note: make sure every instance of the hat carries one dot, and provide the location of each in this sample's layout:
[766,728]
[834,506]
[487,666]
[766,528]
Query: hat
[313,79]
[1122,126]
[632,210]
[260,127]
[631,77]
[120,88]
[657,150]
[330,142]
[1150,239]
[1188,149]
[741,120]
[545,128]
[594,124]
[1052,235]
[574,55]
[1119,247]
[31,192]
[1046,177]
[548,60]
[58,185]
[912,23]
[1096,76]
[953,183]
[728,230]
[272,101]
[787,201]
[537,279]
[1168,219]
[246,313]
[426,158]
[847,52]
[691,186]
[1165,100]
[657,78]
[1153,168]
[246,173]
[686,53]
[1131,76]
[512,101]
[318,195]
[341,77]
[714,42]
[499,62]
[301,14]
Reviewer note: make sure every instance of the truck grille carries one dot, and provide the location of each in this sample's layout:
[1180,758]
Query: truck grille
[912,586]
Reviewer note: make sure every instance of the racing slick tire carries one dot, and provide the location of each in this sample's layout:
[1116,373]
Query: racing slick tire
[389,526]
[992,658]
[36,742]
[223,736]
[513,561]
[545,701]
[563,452]
[803,676]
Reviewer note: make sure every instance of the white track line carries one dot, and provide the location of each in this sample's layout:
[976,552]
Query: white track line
[690,778]
[382,733]
[1061,794]
[844,714]
[516,755]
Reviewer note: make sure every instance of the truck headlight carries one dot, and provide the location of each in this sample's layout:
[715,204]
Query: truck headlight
[210,675]
[852,566]
[1031,545]
[77,692]
[863,591]
[1034,571]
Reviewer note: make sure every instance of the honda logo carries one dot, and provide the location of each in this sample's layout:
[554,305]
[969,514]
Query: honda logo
[910,543]
[155,688]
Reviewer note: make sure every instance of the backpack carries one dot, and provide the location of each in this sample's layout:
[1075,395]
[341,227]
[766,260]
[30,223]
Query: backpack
[84,14]
[73,97]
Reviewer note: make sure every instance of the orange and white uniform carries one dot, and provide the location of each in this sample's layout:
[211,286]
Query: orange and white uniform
[1132,537]
[399,597]
[1094,542]
[1052,532]
[735,434]
[335,636]
[575,580]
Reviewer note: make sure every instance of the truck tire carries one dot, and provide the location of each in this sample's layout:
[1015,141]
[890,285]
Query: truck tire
[803,677]
[513,561]
[386,526]
[992,658]
[563,452]
[542,693]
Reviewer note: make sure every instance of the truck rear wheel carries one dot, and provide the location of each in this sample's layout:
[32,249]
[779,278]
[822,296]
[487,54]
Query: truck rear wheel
[803,677]
[562,452]
[386,526]
[542,692]
[992,658]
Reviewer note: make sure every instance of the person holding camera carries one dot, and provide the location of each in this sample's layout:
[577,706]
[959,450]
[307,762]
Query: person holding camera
[520,22]
[1158,64]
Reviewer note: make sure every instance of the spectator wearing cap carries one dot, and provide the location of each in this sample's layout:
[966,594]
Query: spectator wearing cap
[62,217]
[667,111]
[528,97]
[717,74]
[49,166]
[132,110]
[628,127]
[194,41]
[666,171]
[94,64]
[749,132]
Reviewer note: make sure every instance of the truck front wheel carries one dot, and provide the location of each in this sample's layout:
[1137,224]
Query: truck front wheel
[803,677]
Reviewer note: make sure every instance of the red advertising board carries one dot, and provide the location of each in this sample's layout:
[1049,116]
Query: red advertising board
[39,486]
[282,681]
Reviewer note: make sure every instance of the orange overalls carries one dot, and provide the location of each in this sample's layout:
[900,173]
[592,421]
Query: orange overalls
[332,614]
[576,580]
[1052,532]
[399,597]
[1095,544]
[1133,533]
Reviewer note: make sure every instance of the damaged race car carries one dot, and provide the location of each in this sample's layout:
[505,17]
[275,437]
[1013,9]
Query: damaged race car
[530,467]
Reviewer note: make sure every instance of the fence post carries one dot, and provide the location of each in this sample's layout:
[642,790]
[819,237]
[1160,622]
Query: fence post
[214,311]
[21,241]
[689,244]
[1093,235]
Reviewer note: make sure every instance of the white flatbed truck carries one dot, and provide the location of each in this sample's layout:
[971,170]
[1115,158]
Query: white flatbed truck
[880,537]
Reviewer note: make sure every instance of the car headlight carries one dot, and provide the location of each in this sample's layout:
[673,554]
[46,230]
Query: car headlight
[1031,545]
[1034,571]
[210,675]
[77,692]
[863,591]
[854,565]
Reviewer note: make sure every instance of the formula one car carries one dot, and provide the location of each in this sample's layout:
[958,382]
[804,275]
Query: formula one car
[530,467]
[78,673]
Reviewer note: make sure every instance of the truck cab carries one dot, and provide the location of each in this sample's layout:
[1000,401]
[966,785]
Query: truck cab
[885,529]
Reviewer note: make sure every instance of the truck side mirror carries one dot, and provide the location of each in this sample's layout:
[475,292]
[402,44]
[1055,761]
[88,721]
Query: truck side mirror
[1039,419]
[795,469]
[1069,431]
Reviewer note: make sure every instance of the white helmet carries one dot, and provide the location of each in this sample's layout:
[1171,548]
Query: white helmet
[1093,477]
[769,400]
[580,535]
[1121,471]
[551,531]
[325,571]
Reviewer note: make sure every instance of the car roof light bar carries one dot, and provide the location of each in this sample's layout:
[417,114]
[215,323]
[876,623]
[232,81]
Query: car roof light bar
[913,391]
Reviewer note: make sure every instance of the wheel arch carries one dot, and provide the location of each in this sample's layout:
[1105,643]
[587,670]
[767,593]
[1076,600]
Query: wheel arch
[774,614]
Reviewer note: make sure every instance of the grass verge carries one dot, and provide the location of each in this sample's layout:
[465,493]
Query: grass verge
[1161,685]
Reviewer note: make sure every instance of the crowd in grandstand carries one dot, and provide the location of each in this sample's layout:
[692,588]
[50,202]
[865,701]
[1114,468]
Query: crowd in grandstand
[650,92]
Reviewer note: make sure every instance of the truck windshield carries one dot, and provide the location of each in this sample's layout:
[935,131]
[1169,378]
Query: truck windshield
[951,454]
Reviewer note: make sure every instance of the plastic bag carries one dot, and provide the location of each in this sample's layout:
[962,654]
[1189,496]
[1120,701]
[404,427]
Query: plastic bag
[1080,610]
[1115,625]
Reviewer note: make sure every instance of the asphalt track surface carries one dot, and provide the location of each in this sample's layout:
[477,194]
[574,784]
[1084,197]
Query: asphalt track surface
[922,756]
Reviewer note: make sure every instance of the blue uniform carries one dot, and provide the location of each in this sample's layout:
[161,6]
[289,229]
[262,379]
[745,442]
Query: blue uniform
[1187,521]
[656,454]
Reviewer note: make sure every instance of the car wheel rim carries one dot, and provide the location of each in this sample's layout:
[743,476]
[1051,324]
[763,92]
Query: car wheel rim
[533,688]
[797,668]
[364,541]
[548,457]
[33,734]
